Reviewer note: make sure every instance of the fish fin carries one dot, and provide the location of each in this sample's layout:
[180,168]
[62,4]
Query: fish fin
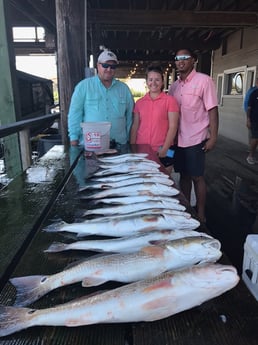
[151,218]
[157,242]
[145,192]
[153,250]
[76,263]
[56,247]
[29,289]
[14,319]
[90,281]
[155,306]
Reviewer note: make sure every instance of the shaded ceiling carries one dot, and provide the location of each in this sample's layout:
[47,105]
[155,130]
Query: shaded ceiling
[142,31]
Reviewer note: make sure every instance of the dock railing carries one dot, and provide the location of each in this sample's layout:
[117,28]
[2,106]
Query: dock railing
[15,139]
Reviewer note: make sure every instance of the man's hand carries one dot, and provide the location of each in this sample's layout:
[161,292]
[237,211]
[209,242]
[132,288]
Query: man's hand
[74,142]
[209,145]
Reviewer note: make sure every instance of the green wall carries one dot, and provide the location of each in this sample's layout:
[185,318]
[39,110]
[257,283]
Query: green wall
[7,108]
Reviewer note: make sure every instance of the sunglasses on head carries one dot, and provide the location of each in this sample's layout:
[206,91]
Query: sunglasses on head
[106,65]
[182,57]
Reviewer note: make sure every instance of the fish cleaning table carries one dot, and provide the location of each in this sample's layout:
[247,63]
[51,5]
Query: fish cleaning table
[229,319]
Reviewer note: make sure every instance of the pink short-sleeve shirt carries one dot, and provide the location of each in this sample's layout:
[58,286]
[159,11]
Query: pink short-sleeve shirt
[195,96]
[153,114]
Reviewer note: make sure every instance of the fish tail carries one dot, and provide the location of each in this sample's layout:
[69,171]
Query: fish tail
[14,319]
[56,247]
[93,202]
[88,212]
[29,289]
[55,227]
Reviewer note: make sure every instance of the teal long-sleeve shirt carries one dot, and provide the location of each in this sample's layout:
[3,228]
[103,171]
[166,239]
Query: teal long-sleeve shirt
[93,102]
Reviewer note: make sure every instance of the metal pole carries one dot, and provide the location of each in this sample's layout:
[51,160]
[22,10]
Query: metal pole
[85,26]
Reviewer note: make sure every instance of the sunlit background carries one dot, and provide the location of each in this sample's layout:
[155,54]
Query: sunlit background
[45,65]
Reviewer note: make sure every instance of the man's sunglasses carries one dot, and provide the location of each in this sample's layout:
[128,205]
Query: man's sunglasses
[182,57]
[106,65]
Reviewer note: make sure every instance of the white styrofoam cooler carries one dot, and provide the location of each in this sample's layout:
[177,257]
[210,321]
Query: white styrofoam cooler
[250,264]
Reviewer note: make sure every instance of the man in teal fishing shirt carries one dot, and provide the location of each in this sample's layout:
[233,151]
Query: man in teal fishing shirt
[101,98]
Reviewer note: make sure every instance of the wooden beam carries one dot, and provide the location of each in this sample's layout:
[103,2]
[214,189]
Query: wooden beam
[31,12]
[26,48]
[22,48]
[210,19]
[163,44]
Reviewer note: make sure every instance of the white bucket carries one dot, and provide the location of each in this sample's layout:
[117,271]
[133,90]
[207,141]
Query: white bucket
[96,135]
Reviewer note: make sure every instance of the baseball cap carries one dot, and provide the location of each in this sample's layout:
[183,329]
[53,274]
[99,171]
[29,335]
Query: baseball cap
[107,55]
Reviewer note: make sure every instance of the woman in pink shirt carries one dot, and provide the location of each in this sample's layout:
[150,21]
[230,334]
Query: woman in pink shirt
[156,115]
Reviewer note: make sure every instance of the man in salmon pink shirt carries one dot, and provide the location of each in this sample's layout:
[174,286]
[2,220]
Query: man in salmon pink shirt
[198,126]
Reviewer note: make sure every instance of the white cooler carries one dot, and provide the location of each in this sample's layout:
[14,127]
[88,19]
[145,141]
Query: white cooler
[250,264]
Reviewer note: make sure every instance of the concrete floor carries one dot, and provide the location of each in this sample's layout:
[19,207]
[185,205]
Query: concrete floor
[232,198]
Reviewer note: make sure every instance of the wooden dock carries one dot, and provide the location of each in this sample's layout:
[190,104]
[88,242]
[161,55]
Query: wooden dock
[49,193]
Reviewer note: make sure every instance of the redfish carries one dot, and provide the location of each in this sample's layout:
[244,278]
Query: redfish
[127,157]
[127,168]
[145,300]
[126,209]
[128,244]
[121,177]
[126,225]
[128,182]
[136,189]
[127,200]
[129,267]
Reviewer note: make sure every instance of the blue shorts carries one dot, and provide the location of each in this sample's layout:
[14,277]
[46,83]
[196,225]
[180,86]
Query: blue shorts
[190,160]
[254,130]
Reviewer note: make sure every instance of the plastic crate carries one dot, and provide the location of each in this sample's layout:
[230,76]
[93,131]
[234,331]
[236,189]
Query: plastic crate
[250,264]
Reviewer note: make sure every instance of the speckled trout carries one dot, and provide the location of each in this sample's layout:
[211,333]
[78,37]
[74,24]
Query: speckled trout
[127,244]
[125,268]
[127,224]
[146,300]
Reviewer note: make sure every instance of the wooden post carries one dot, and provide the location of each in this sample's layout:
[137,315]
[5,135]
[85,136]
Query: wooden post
[70,53]
[25,145]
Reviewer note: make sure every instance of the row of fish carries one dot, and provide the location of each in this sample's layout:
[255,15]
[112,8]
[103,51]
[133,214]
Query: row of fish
[145,300]
[153,247]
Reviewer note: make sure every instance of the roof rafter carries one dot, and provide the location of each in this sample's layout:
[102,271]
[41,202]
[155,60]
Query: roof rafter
[211,19]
